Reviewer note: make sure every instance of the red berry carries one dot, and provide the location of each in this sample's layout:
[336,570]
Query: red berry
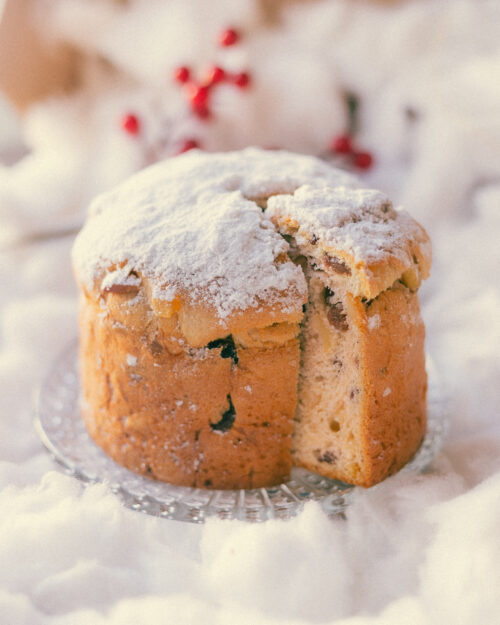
[363,160]
[182,74]
[188,144]
[203,112]
[215,75]
[241,80]
[198,95]
[341,144]
[229,37]
[130,123]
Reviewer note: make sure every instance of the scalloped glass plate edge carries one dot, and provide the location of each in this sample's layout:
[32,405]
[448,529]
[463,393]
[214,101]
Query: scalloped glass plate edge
[63,433]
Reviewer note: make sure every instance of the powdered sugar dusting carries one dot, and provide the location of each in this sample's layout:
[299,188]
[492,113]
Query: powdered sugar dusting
[188,226]
[131,360]
[360,222]
[121,276]
[373,322]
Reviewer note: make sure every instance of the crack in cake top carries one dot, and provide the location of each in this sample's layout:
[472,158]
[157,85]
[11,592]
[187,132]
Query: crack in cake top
[189,225]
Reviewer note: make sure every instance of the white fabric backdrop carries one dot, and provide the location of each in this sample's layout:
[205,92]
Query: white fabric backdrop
[418,549]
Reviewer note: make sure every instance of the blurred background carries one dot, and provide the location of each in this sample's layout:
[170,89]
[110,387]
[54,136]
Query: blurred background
[93,91]
[405,93]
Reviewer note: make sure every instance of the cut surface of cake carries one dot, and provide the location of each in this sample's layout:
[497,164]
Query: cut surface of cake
[245,312]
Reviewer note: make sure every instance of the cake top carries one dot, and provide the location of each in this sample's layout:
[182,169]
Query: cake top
[192,227]
[355,233]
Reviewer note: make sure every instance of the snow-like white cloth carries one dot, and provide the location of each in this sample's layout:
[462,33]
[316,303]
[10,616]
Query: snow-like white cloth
[417,549]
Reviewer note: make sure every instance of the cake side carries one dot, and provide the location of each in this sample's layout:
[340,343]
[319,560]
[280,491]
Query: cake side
[395,381]
[211,417]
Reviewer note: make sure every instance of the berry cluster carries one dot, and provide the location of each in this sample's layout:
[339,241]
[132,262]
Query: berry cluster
[343,145]
[198,92]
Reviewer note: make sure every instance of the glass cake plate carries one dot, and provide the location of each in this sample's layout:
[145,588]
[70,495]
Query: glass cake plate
[63,433]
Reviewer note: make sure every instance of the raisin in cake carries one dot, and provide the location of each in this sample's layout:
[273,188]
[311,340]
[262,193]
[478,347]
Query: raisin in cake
[245,312]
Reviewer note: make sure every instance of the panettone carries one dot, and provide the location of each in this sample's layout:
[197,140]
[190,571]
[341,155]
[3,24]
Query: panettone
[245,312]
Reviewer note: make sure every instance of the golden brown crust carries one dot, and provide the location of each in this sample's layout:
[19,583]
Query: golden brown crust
[151,400]
[395,382]
[195,322]
[159,410]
